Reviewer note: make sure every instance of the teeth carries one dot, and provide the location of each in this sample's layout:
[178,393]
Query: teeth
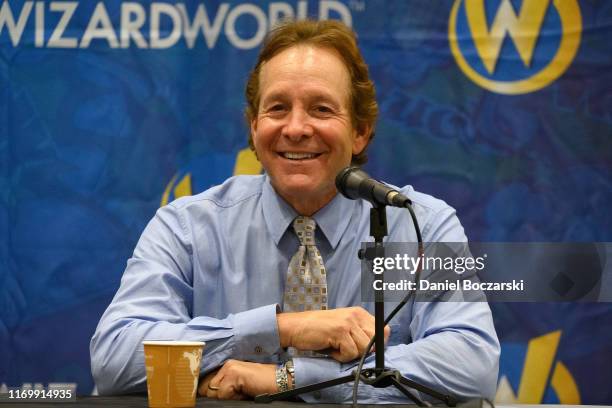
[298,156]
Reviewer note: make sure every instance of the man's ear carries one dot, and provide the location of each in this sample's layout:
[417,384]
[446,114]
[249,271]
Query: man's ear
[253,127]
[252,138]
[362,138]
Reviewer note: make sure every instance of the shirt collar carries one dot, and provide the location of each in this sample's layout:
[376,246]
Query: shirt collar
[332,220]
[277,213]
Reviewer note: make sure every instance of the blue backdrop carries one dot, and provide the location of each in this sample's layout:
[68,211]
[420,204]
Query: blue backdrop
[109,109]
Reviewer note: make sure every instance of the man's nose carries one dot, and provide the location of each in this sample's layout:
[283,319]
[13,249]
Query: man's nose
[298,125]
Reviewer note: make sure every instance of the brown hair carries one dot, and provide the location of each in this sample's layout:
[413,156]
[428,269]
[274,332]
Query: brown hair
[328,34]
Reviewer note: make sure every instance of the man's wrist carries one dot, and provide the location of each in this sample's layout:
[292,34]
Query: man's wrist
[282,382]
[284,329]
[284,376]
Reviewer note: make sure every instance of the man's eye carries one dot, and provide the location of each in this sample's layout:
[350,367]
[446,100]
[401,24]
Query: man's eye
[276,108]
[323,109]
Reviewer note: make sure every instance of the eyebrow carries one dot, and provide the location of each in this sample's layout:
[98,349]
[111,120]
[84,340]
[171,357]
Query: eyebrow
[276,95]
[316,96]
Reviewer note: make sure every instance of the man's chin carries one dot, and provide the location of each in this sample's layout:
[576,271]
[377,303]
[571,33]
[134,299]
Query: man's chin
[297,190]
[302,187]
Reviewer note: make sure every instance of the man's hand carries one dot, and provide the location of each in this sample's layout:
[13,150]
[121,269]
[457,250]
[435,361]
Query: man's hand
[239,380]
[346,331]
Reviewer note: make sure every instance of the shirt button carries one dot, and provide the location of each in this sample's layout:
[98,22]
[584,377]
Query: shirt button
[258,350]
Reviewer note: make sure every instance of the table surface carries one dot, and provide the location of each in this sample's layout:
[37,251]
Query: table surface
[134,401]
[138,401]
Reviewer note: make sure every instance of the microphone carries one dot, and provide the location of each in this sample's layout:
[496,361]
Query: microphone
[355,183]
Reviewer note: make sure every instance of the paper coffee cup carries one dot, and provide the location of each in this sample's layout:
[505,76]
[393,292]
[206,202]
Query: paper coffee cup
[173,369]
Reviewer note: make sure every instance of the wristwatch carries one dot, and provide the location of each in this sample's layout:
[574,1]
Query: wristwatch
[283,371]
[290,371]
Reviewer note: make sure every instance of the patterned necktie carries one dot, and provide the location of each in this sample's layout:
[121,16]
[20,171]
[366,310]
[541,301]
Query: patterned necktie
[306,287]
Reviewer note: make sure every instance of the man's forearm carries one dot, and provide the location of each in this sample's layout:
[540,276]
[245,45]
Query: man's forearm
[117,351]
[455,351]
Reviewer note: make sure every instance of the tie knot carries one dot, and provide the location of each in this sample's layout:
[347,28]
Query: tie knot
[305,228]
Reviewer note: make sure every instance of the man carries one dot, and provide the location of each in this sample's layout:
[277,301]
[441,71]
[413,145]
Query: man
[227,267]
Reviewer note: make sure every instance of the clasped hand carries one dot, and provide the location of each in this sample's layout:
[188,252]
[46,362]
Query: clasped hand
[342,333]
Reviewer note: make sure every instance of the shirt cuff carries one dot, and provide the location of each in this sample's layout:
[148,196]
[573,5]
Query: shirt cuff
[314,370]
[256,333]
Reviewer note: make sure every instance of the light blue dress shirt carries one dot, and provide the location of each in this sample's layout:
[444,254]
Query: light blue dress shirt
[212,267]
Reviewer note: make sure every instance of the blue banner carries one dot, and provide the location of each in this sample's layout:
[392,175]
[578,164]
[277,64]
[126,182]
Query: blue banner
[109,109]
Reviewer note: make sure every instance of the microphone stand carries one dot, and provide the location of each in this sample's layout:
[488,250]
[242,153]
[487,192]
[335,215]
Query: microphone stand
[379,376]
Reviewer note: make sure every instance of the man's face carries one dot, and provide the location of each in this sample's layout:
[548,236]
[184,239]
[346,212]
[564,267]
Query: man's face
[302,133]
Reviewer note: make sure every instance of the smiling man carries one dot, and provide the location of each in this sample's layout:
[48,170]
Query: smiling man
[264,268]
[303,131]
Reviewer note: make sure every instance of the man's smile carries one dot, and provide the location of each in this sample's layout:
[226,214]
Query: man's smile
[299,156]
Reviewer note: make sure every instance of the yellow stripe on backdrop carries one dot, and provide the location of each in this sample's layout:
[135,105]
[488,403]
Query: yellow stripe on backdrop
[246,163]
[539,362]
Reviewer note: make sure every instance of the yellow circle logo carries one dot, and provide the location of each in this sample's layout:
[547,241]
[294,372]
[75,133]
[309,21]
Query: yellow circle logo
[504,51]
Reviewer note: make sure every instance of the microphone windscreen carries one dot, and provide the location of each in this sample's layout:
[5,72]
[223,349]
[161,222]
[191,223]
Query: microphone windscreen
[349,180]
